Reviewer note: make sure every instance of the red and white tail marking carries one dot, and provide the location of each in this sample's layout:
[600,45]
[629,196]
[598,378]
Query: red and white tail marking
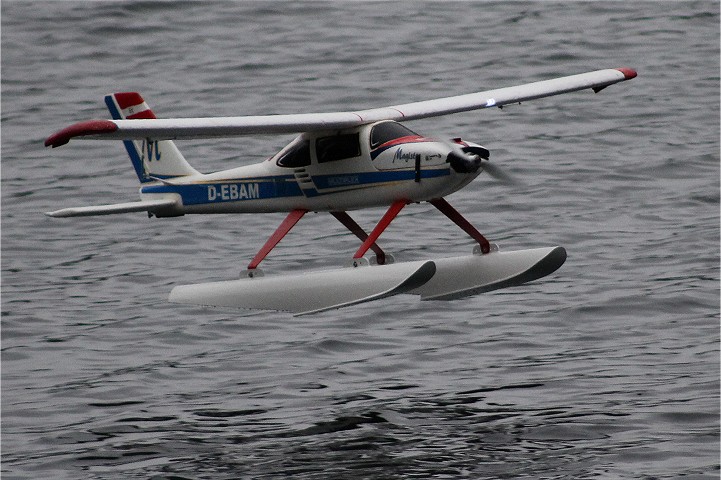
[132,106]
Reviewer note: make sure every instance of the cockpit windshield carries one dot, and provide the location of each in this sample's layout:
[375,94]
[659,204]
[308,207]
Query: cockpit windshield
[295,155]
[387,131]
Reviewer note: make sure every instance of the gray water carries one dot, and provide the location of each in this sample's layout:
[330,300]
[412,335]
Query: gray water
[609,368]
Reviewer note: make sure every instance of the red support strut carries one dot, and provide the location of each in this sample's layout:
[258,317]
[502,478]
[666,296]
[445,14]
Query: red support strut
[392,212]
[356,229]
[281,232]
[450,212]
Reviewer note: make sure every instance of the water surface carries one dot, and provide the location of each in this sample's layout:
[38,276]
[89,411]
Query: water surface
[607,369]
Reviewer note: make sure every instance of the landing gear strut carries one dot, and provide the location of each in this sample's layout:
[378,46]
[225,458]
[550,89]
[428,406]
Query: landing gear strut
[450,212]
[369,240]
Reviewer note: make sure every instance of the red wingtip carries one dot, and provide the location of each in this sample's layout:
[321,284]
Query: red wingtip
[90,127]
[629,73]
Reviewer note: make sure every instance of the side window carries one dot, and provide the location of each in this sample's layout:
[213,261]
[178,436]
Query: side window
[297,156]
[337,147]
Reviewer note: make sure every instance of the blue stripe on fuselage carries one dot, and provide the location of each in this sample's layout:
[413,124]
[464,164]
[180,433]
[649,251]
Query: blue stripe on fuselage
[284,186]
[231,191]
[367,178]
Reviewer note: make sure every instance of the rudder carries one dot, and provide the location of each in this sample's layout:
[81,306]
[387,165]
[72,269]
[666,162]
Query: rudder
[152,159]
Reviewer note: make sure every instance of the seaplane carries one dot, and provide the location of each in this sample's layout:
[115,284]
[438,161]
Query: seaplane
[339,162]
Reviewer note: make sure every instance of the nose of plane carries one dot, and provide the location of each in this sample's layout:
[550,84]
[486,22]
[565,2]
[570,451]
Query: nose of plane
[463,162]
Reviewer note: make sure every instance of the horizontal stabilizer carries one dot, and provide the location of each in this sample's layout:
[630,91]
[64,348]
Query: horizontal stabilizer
[140,206]
[310,292]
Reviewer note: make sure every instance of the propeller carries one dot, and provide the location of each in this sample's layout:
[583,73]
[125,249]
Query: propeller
[497,173]
[468,159]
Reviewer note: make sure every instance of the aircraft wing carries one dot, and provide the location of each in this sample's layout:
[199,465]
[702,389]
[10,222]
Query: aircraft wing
[178,128]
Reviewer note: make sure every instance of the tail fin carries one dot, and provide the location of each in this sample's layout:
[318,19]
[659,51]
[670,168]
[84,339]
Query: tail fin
[152,159]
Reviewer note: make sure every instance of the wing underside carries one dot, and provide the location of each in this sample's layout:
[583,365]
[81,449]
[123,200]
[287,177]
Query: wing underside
[178,128]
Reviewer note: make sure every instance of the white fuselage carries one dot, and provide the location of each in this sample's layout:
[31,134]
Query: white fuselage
[324,171]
